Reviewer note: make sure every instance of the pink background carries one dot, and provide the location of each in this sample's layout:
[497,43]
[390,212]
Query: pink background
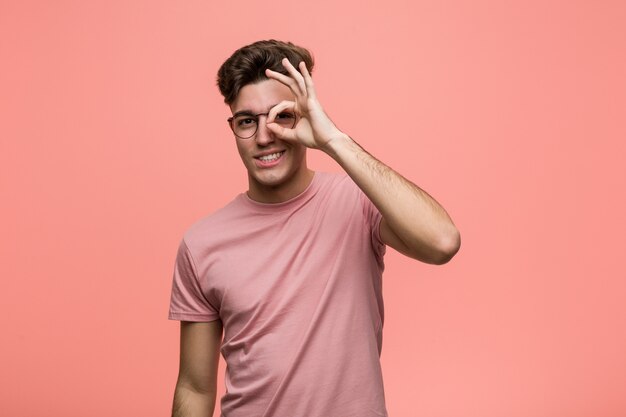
[511,114]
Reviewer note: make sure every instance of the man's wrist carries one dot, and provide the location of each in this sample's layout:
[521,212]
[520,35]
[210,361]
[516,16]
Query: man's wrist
[337,144]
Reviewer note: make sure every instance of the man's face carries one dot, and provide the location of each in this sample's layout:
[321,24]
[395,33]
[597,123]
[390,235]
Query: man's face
[269,179]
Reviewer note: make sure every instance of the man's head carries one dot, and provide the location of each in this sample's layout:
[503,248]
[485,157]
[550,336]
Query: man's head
[277,169]
[247,65]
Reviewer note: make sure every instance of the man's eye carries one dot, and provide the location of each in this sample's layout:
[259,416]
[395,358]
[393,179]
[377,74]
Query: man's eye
[245,122]
[285,118]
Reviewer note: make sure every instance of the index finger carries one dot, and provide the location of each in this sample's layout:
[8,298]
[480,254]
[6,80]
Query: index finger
[282,106]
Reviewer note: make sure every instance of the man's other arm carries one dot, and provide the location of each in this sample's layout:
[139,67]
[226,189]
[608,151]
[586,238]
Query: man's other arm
[196,388]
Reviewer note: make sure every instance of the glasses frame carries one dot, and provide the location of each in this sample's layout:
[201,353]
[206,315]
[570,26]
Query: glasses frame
[256,117]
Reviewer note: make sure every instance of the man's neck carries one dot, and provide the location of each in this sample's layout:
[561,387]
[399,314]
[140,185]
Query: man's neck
[282,192]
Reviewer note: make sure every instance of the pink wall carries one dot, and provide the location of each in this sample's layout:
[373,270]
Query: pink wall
[511,114]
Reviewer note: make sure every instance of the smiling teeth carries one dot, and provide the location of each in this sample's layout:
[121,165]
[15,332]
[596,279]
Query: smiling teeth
[271,157]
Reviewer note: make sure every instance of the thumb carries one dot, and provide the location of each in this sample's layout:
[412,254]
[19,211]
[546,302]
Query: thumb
[282,133]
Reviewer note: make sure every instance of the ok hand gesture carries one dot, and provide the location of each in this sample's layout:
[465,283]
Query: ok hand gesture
[313,129]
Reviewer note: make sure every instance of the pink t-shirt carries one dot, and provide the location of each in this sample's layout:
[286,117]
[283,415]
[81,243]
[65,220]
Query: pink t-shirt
[298,287]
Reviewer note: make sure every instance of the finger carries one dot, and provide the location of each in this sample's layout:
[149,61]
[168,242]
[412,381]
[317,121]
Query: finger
[288,135]
[308,81]
[295,74]
[288,81]
[280,107]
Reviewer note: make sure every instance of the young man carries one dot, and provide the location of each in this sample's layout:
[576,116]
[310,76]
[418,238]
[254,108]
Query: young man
[291,271]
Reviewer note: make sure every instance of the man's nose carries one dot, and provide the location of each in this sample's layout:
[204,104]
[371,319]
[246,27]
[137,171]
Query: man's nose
[264,136]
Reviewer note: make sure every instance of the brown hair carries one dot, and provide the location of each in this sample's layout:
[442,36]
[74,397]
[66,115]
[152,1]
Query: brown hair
[247,65]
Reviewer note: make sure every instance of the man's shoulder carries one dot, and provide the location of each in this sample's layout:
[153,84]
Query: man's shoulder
[330,179]
[340,182]
[215,222]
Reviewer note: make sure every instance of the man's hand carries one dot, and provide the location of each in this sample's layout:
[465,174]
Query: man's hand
[314,129]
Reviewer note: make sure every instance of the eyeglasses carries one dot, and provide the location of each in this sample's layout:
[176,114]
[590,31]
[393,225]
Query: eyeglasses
[245,125]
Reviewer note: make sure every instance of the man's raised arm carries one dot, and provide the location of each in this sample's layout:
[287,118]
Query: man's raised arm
[413,222]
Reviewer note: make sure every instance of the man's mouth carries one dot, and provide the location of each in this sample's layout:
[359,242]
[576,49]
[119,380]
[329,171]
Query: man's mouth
[271,157]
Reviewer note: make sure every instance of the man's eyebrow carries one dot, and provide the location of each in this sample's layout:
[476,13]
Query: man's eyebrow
[250,112]
[243,113]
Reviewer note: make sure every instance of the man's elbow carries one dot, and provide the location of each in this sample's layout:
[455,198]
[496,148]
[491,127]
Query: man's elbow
[449,246]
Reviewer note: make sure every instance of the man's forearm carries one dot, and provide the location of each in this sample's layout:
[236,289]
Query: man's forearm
[413,215]
[190,403]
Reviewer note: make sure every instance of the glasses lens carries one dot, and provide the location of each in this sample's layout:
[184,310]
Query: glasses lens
[244,126]
[286,119]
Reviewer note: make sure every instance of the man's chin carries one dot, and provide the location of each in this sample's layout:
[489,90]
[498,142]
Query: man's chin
[270,179]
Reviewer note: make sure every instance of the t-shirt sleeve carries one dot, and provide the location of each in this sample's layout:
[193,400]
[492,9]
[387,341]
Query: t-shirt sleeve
[187,301]
[372,217]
